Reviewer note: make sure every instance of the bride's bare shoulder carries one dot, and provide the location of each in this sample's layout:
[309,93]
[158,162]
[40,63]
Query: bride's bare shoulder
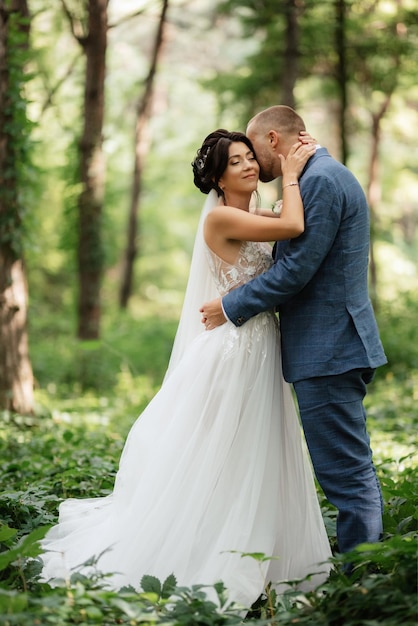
[223,213]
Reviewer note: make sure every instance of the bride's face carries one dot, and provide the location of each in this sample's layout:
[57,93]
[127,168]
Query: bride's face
[241,173]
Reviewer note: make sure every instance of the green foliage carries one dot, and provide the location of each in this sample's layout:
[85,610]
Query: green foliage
[381,590]
[399,332]
[17,175]
[131,352]
[376,59]
[258,82]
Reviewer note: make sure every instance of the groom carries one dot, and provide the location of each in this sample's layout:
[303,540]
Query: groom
[330,340]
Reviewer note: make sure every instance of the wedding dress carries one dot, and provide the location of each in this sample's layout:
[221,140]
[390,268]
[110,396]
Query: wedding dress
[214,467]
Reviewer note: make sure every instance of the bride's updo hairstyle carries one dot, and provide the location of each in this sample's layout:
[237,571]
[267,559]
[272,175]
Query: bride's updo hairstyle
[212,158]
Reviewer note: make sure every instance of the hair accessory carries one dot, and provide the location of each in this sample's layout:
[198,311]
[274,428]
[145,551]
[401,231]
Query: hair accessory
[202,161]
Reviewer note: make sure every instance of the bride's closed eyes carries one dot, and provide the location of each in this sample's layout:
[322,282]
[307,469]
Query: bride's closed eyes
[236,160]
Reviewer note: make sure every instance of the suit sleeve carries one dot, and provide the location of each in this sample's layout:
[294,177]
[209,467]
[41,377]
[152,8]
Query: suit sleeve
[301,260]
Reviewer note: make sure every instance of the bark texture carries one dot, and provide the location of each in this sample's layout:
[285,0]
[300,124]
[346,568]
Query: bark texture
[16,377]
[141,149]
[92,174]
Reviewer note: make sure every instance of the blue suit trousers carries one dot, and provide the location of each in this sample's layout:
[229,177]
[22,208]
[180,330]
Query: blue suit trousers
[334,421]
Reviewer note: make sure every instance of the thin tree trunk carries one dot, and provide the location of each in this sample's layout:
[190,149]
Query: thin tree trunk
[374,190]
[16,377]
[341,70]
[141,150]
[92,171]
[292,11]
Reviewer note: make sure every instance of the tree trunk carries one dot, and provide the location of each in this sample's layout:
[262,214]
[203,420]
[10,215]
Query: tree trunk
[292,10]
[16,378]
[92,169]
[141,149]
[374,190]
[341,71]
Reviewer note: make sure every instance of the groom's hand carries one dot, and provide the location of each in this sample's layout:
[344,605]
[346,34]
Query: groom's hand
[212,314]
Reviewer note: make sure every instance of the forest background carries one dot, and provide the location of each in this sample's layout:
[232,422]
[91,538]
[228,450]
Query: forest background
[104,211]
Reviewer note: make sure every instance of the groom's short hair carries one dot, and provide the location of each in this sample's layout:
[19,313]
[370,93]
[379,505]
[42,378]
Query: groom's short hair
[280,118]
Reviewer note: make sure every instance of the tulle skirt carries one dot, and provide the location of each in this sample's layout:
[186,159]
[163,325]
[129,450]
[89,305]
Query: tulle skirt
[214,468]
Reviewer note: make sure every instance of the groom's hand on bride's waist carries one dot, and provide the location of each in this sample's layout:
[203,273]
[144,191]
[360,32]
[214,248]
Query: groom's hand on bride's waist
[212,314]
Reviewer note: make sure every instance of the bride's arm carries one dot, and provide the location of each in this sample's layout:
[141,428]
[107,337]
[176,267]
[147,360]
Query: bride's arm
[239,225]
[269,212]
[292,167]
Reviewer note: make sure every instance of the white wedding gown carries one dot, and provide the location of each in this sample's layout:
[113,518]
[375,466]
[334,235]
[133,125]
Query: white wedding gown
[215,466]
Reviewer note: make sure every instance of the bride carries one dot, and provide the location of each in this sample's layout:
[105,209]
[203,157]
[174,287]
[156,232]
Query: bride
[215,466]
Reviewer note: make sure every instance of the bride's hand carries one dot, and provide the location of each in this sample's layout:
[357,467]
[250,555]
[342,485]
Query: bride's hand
[296,160]
[305,137]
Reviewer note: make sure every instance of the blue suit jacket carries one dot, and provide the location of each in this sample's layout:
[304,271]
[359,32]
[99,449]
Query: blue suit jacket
[319,280]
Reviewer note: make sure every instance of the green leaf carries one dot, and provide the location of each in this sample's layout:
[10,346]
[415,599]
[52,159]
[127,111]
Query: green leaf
[12,602]
[151,584]
[129,609]
[6,532]
[168,586]
[257,556]
[28,546]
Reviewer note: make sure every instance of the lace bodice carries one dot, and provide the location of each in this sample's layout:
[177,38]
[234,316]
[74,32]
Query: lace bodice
[253,259]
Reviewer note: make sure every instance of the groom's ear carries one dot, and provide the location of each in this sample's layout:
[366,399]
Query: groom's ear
[273,137]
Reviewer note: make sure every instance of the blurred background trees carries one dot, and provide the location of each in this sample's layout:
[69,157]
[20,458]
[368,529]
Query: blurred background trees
[88,23]
[16,379]
[109,79]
